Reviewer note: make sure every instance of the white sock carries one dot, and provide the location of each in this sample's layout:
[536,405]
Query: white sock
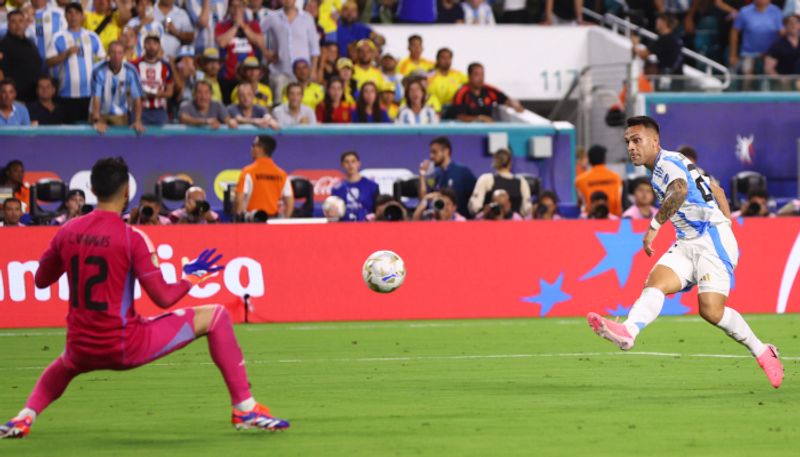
[645,310]
[735,326]
[27,412]
[246,405]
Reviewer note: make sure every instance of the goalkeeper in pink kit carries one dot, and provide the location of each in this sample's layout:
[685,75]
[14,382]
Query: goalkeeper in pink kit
[102,257]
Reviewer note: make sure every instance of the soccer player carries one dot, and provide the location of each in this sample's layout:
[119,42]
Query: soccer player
[102,257]
[705,253]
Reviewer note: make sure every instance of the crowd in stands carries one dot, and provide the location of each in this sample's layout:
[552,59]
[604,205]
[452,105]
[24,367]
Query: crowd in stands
[152,62]
[443,190]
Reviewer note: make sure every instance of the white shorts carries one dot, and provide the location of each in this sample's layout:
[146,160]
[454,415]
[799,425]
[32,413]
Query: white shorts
[708,260]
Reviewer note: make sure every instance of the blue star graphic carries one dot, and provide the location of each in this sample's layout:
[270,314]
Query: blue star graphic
[673,306]
[620,248]
[549,295]
[619,310]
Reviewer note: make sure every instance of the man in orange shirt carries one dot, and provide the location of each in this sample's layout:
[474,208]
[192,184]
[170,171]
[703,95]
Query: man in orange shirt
[262,184]
[600,178]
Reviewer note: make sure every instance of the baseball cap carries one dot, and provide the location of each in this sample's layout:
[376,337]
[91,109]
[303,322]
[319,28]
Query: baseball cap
[366,42]
[185,51]
[344,62]
[388,86]
[251,62]
[153,35]
[211,54]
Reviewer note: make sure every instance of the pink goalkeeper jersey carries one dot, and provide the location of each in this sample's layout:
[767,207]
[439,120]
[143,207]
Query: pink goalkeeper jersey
[102,257]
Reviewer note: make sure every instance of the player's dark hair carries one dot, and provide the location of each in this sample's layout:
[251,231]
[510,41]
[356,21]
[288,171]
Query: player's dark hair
[345,154]
[267,143]
[11,200]
[473,66]
[450,194]
[444,142]
[414,37]
[597,155]
[443,50]
[150,198]
[758,192]
[646,121]
[74,7]
[108,177]
[688,152]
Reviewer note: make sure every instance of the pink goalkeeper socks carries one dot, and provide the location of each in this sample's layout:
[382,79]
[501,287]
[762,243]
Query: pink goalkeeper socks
[50,386]
[227,355]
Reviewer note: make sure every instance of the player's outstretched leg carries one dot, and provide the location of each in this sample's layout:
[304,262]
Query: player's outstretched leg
[713,310]
[644,311]
[49,387]
[215,322]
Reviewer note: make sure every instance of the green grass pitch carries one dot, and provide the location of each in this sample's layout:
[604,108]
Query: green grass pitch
[527,387]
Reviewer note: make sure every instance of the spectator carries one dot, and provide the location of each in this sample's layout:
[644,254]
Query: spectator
[368,107]
[358,193]
[294,112]
[334,109]
[329,54]
[667,48]
[205,15]
[12,213]
[185,75]
[449,12]
[546,207]
[196,209]
[329,12]
[643,198]
[115,84]
[247,112]
[599,178]
[415,111]
[45,111]
[313,93]
[350,30]
[441,171]
[386,98]
[389,72]
[516,12]
[475,101]
[563,12]
[517,189]
[72,207]
[106,22]
[438,206]
[477,12]
[20,60]
[292,35]
[238,39]
[756,205]
[47,21]
[791,208]
[12,112]
[210,63]
[147,213]
[760,25]
[499,208]
[143,26]
[312,8]
[73,53]
[414,61]
[14,177]
[599,207]
[155,75]
[130,44]
[263,185]
[783,56]
[416,11]
[387,209]
[253,73]
[333,208]
[344,68]
[204,111]
[364,71]
[444,82]
[256,11]
[178,27]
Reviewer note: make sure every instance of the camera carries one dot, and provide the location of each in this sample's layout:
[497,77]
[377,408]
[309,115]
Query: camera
[201,207]
[146,212]
[393,212]
[541,210]
[753,209]
[256,216]
[495,210]
[438,204]
[599,211]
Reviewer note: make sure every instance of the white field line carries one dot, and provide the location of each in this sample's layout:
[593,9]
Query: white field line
[447,357]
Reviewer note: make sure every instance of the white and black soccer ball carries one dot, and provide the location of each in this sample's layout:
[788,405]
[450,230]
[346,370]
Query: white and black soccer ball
[384,271]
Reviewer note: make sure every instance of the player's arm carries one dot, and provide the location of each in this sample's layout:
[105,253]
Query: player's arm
[674,197]
[722,200]
[50,265]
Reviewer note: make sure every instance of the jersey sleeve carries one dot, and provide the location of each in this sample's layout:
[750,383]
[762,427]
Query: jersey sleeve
[136,83]
[671,169]
[145,269]
[55,47]
[50,265]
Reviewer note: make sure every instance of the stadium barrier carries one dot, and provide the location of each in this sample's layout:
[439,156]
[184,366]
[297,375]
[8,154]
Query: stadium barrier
[308,273]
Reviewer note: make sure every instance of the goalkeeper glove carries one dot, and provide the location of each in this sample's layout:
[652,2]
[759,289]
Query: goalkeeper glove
[201,268]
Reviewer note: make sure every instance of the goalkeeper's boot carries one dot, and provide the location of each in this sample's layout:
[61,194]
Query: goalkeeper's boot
[18,427]
[610,330]
[770,362]
[258,417]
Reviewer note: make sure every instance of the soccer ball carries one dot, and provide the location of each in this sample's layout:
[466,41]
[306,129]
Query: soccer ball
[384,271]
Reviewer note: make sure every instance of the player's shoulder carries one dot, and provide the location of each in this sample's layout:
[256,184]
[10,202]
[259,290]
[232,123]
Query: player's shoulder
[137,233]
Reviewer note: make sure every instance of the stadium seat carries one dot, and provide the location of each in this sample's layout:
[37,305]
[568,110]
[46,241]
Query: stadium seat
[171,189]
[303,189]
[744,182]
[48,191]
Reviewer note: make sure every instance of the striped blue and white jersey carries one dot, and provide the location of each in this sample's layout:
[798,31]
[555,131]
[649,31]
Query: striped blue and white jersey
[699,211]
[205,35]
[426,116]
[46,23]
[116,90]
[75,73]
[151,28]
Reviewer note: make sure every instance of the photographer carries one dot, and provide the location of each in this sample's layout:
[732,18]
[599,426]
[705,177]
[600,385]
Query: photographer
[74,206]
[387,209]
[598,202]
[438,206]
[757,205]
[499,209]
[546,206]
[147,213]
[196,209]
[643,198]
[517,188]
